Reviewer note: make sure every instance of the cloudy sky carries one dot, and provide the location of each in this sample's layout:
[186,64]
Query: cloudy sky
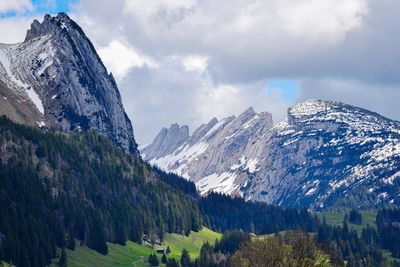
[187,61]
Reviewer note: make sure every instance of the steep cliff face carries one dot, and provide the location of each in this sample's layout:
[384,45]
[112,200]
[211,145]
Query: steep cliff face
[324,154]
[330,154]
[218,156]
[58,69]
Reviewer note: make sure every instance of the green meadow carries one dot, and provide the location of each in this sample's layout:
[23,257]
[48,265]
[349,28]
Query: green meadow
[133,254]
[336,218]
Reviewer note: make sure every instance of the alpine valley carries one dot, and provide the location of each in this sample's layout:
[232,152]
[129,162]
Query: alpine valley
[320,188]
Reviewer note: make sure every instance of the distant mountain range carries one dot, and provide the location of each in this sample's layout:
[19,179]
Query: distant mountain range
[56,79]
[325,154]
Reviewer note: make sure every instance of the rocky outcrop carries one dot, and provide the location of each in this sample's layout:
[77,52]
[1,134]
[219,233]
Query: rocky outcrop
[168,140]
[18,108]
[210,154]
[325,154]
[58,65]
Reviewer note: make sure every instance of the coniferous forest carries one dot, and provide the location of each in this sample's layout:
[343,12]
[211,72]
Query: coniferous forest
[57,188]
[60,190]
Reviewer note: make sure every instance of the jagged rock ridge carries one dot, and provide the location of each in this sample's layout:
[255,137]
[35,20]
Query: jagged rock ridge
[57,68]
[324,154]
[214,153]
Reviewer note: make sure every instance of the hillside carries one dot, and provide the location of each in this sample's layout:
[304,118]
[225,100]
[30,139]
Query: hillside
[61,187]
[80,189]
[337,218]
[133,254]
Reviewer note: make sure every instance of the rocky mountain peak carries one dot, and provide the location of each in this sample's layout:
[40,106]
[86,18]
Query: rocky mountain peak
[59,65]
[309,107]
[204,129]
[167,140]
[177,133]
[50,25]
[247,113]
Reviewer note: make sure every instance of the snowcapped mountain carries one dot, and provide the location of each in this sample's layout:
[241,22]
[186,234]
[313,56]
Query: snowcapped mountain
[213,155]
[325,154]
[55,78]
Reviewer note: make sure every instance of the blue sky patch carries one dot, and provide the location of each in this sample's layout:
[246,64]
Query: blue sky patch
[42,7]
[290,88]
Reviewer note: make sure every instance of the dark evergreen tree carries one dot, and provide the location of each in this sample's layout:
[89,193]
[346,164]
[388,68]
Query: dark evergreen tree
[63,259]
[164,258]
[153,260]
[388,221]
[71,238]
[224,213]
[230,242]
[346,218]
[172,263]
[185,259]
[177,182]
[206,258]
[349,246]
[355,217]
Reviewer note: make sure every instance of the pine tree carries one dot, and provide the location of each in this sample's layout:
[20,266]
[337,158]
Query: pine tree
[153,260]
[172,263]
[164,258]
[346,218]
[71,239]
[206,256]
[63,259]
[185,259]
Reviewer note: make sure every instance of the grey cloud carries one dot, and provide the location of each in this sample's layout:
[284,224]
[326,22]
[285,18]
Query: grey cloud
[248,43]
[156,98]
[263,50]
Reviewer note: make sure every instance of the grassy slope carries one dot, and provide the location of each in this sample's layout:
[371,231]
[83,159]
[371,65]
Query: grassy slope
[192,243]
[368,218]
[135,255]
[336,218]
[5,264]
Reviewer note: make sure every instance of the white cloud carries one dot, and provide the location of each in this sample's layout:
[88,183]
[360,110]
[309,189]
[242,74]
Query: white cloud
[189,60]
[227,100]
[15,6]
[155,7]
[215,57]
[120,58]
[321,20]
[13,29]
[195,63]
[326,21]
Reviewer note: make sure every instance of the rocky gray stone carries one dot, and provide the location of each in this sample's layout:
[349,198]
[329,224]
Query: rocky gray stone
[324,154]
[61,65]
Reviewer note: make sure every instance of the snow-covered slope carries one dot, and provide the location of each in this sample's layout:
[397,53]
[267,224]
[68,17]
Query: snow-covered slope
[324,154]
[218,156]
[58,70]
